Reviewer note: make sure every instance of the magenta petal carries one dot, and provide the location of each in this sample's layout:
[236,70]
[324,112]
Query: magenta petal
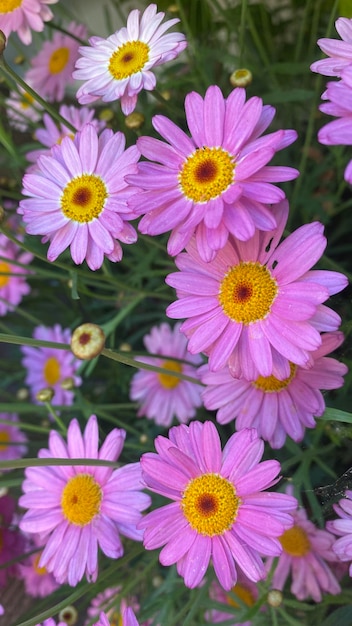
[197,561]
[223,563]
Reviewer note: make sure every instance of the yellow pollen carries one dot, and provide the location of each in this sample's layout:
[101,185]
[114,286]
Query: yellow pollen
[81,499]
[59,60]
[83,198]
[206,174]
[247,292]
[270,384]
[52,371]
[210,504]
[7,6]
[243,594]
[4,440]
[40,571]
[4,269]
[128,59]
[295,541]
[167,381]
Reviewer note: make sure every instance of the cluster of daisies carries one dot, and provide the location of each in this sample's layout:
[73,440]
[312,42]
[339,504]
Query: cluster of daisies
[253,345]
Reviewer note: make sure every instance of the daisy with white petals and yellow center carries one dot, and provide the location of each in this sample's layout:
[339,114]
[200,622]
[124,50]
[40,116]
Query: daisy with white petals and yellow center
[126,59]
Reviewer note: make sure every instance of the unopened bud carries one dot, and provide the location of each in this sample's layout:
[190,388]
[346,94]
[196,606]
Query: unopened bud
[22,394]
[134,120]
[241,78]
[125,347]
[143,438]
[173,8]
[2,42]
[87,341]
[106,115]
[69,615]
[274,598]
[20,59]
[45,395]
[68,384]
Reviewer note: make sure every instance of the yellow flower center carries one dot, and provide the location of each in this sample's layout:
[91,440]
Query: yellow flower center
[167,381]
[206,174]
[83,198]
[243,594]
[52,371]
[59,60]
[27,101]
[128,59]
[4,269]
[40,571]
[7,6]
[210,504]
[81,499]
[247,292]
[295,541]
[4,440]
[270,384]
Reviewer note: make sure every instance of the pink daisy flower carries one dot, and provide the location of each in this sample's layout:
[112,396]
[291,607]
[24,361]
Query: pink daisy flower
[12,439]
[50,367]
[38,582]
[11,540]
[257,305]
[51,134]
[220,510]
[243,594]
[78,198]
[340,52]
[110,604]
[162,396]
[338,132]
[216,182]
[305,550]
[75,509]
[23,16]
[119,67]
[52,68]
[343,527]
[22,109]
[276,408]
[13,284]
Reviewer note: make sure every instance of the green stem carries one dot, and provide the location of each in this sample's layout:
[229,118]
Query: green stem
[23,463]
[56,417]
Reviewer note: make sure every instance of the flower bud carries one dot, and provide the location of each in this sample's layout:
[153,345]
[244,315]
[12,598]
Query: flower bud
[87,341]
[45,395]
[134,120]
[69,615]
[68,384]
[2,42]
[241,78]
[274,598]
